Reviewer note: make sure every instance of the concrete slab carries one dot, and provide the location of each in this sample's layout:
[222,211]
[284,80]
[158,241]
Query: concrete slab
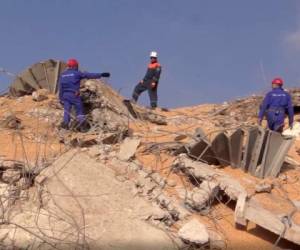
[220,146]
[128,148]
[276,149]
[39,75]
[236,148]
[258,152]
[252,134]
[201,151]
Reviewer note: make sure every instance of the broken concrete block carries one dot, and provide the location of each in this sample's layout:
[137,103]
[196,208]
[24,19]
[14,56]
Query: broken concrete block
[194,232]
[216,241]
[41,75]
[11,176]
[94,151]
[7,164]
[220,146]
[128,148]
[171,183]
[200,198]
[40,95]
[263,187]
[10,121]
[239,213]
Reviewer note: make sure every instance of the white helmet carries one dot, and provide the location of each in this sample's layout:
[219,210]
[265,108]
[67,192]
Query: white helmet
[153,54]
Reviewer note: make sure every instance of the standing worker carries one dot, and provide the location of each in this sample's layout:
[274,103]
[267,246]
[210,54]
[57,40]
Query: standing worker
[69,92]
[150,81]
[275,105]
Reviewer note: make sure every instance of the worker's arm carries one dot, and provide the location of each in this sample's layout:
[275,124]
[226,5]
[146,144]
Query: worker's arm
[263,108]
[156,77]
[157,74]
[290,109]
[87,75]
[60,91]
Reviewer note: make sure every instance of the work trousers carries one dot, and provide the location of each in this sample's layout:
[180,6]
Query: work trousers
[152,92]
[70,100]
[276,120]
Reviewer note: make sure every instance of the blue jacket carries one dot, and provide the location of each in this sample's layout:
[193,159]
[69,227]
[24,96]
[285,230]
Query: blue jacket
[277,100]
[69,81]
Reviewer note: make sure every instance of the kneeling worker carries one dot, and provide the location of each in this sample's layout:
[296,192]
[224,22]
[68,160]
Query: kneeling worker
[275,105]
[150,81]
[69,92]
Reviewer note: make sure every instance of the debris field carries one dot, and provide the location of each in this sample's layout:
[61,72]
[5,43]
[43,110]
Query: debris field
[202,177]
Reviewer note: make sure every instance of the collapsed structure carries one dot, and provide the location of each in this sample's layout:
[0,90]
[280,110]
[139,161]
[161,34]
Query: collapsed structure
[255,150]
[101,181]
[41,75]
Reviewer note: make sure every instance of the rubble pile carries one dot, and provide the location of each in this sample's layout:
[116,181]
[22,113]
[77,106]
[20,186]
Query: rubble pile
[106,108]
[127,172]
[240,112]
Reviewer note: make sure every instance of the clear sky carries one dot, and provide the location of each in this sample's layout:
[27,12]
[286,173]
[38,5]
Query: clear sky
[210,50]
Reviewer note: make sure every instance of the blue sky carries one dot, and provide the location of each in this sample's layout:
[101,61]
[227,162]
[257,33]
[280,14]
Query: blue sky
[211,51]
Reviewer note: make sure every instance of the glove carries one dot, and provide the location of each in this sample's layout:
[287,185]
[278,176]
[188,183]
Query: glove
[105,74]
[153,85]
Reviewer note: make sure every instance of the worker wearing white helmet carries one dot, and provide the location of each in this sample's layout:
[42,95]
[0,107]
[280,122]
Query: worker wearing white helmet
[150,81]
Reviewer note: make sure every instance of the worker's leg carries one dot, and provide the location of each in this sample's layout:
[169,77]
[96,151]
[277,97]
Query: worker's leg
[139,88]
[153,96]
[67,110]
[279,123]
[275,121]
[79,110]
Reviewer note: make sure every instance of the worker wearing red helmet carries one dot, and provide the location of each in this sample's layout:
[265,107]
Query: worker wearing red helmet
[275,105]
[69,94]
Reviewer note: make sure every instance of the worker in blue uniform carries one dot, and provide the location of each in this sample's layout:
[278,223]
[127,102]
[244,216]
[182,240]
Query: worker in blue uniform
[69,91]
[275,105]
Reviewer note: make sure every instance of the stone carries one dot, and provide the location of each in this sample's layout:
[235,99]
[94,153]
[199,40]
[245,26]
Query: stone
[128,148]
[40,95]
[216,241]
[263,187]
[172,183]
[194,232]
[94,151]
[11,176]
[24,183]
[10,164]
[10,121]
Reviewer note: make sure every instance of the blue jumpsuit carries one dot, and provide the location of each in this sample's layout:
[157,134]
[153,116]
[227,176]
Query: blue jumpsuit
[69,90]
[275,105]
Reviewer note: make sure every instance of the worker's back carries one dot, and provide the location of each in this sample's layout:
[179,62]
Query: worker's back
[278,98]
[70,80]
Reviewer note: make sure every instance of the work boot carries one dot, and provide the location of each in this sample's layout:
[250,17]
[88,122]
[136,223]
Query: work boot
[133,101]
[64,126]
[83,127]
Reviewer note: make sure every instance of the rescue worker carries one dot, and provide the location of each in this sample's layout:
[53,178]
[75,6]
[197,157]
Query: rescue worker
[275,105]
[69,94]
[150,81]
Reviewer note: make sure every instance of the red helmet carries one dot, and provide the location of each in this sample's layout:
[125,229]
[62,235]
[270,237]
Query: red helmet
[277,81]
[72,63]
